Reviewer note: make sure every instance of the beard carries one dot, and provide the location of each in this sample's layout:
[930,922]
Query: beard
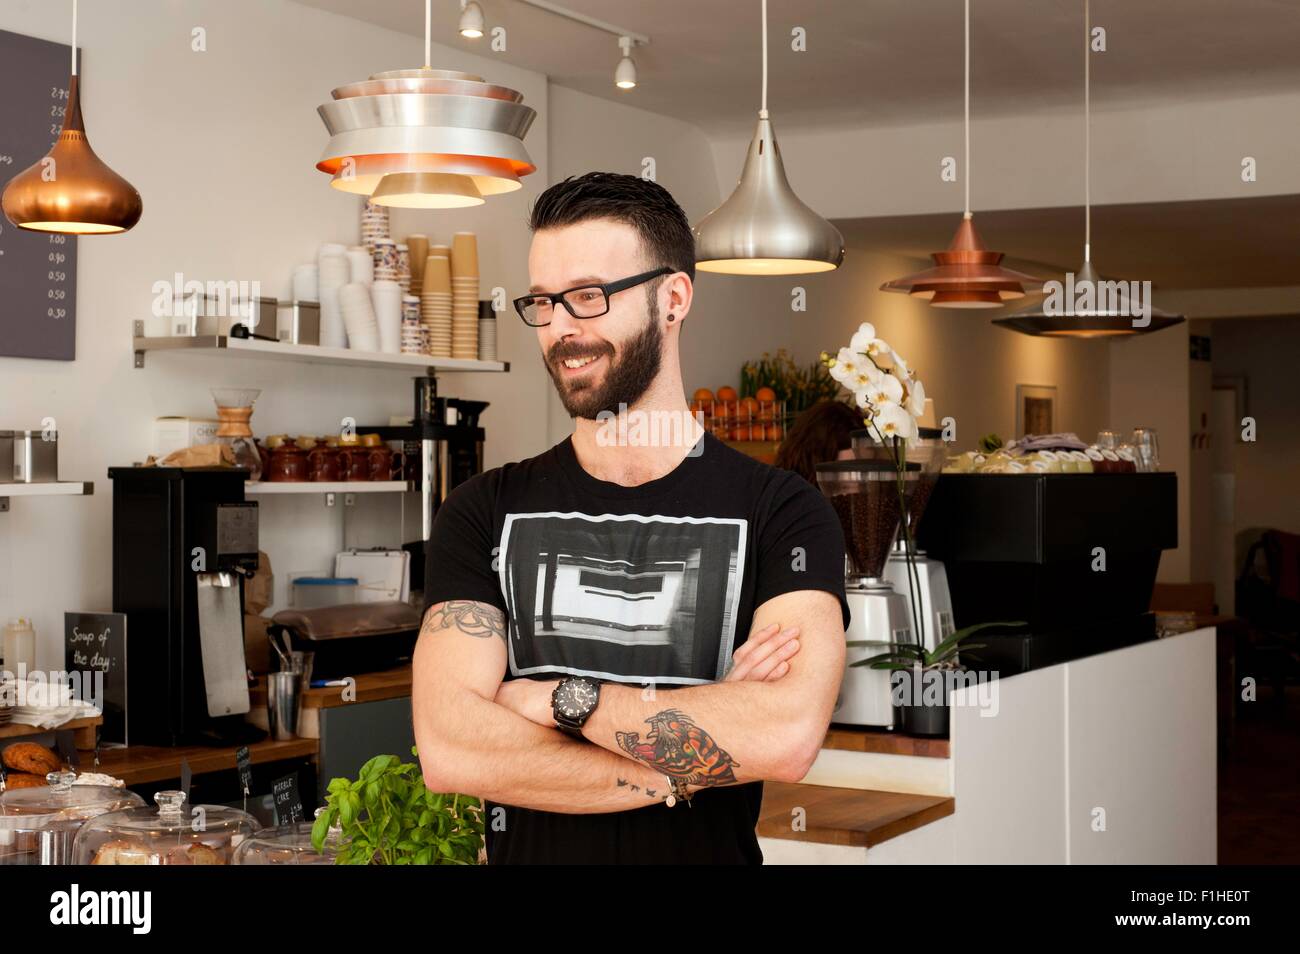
[627,378]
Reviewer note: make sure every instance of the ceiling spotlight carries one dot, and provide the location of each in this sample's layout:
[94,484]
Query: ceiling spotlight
[625,75]
[471,19]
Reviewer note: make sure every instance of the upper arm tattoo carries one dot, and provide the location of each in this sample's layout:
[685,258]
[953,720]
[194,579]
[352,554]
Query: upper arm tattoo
[680,749]
[472,618]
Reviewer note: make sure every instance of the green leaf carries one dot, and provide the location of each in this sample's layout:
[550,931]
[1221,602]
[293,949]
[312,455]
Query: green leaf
[955,638]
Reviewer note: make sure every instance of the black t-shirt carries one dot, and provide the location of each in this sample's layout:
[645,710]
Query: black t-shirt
[656,583]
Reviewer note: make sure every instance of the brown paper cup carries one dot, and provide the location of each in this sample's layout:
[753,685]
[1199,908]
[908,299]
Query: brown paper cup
[437,275]
[464,254]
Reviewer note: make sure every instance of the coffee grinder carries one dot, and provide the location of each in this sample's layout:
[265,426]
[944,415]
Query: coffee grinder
[865,496]
[934,604]
[184,539]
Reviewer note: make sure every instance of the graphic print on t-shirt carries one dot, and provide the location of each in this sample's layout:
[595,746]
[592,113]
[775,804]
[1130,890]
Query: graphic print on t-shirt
[627,598]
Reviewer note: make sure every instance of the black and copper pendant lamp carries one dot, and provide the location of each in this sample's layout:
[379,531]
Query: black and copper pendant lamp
[70,190]
[426,138]
[764,228]
[967,274]
[1094,320]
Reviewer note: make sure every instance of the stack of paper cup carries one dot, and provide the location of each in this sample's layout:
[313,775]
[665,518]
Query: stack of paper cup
[386,298]
[404,267]
[333,273]
[435,301]
[385,259]
[417,251]
[487,332]
[374,223]
[359,317]
[306,282]
[361,266]
[413,337]
[464,295]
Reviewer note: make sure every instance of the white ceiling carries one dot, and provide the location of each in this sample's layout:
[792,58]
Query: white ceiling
[882,61]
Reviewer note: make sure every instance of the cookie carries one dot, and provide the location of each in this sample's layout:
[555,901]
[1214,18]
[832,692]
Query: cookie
[195,854]
[122,852]
[33,758]
[16,780]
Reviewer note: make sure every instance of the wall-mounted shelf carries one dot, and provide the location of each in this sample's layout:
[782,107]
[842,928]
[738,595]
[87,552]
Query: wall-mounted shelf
[310,354]
[260,488]
[62,488]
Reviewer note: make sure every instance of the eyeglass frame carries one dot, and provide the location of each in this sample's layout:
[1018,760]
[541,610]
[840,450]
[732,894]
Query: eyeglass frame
[607,288]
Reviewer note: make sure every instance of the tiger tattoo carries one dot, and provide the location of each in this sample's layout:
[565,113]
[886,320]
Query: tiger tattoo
[680,749]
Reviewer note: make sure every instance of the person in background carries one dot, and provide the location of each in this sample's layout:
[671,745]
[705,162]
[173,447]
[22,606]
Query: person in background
[820,433]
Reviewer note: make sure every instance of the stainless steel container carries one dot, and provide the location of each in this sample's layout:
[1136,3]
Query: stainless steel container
[34,456]
[298,322]
[215,315]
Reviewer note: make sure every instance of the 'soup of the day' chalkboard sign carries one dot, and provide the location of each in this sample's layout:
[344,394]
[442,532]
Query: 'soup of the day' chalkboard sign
[38,271]
[96,643]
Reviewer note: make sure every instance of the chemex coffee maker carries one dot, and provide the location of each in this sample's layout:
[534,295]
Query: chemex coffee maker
[925,579]
[184,539]
[865,496]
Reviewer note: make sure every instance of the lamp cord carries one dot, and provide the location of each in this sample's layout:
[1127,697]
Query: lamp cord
[1087,133]
[428,14]
[762,112]
[966,169]
[74,37]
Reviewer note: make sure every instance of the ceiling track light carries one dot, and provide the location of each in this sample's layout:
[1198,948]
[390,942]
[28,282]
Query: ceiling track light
[471,19]
[625,74]
[71,191]
[967,274]
[1099,320]
[763,228]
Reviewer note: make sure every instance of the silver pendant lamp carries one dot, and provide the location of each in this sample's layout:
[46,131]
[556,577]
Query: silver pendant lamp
[426,138]
[1094,320]
[763,228]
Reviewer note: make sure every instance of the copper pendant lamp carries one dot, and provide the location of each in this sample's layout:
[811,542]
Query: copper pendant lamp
[71,191]
[967,275]
[426,138]
[1092,320]
[763,228]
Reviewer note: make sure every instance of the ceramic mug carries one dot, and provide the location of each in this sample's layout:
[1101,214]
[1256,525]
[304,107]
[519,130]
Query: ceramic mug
[323,463]
[385,464]
[288,463]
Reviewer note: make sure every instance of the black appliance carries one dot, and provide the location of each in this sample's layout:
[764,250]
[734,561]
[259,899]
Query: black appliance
[1033,547]
[443,447]
[183,541]
[353,637]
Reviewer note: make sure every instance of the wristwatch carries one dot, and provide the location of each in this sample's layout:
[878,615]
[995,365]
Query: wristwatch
[572,703]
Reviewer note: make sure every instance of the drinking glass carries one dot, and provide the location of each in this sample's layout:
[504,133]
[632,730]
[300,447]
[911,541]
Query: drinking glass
[1107,440]
[1147,446]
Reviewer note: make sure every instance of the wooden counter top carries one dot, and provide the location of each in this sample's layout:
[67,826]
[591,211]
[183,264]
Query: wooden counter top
[370,687]
[851,817]
[885,743]
[138,764]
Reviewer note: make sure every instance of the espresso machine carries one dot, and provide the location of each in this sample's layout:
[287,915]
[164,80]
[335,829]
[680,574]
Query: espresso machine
[443,447]
[184,539]
[926,580]
[865,496]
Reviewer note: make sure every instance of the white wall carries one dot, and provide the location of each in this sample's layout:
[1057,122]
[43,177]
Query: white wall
[222,147]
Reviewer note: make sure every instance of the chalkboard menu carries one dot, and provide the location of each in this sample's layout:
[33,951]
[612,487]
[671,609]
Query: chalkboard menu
[38,271]
[95,643]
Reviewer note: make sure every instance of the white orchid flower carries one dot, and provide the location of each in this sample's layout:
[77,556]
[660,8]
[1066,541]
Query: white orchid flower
[878,348]
[887,390]
[900,366]
[916,398]
[862,396]
[863,337]
[894,421]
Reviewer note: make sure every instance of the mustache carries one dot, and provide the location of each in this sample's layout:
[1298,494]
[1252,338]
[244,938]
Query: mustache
[564,350]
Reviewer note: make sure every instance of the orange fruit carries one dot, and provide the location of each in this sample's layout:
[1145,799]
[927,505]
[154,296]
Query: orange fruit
[765,394]
[748,408]
[725,411]
[703,394]
[774,432]
[727,393]
[766,410]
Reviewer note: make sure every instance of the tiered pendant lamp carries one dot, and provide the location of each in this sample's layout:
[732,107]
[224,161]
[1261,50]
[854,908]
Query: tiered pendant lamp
[763,228]
[71,191]
[967,275]
[426,138]
[1092,321]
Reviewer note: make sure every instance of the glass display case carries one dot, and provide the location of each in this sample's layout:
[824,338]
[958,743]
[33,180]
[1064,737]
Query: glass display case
[38,825]
[174,833]
[287,845]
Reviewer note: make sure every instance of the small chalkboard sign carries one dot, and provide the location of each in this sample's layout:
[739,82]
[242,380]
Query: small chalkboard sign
[287,801]
[244,765]
[38,270]
[94,655]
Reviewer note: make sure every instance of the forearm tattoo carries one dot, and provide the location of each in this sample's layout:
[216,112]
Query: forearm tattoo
[678,748]
[479,620]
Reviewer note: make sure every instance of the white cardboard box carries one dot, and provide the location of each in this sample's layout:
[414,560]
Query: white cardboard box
[177,433]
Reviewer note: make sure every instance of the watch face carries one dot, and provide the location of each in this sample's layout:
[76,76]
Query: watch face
[576,698]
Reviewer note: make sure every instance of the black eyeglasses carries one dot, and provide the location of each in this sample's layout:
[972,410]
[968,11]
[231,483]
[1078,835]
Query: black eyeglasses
[585,301]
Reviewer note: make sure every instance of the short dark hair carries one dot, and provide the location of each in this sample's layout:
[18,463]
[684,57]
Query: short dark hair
[646,206]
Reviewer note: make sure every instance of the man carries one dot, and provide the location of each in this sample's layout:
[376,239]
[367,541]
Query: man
[667,615]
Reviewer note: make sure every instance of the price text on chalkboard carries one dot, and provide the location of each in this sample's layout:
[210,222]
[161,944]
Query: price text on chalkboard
[94,654]
[288,803]
[38,271]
